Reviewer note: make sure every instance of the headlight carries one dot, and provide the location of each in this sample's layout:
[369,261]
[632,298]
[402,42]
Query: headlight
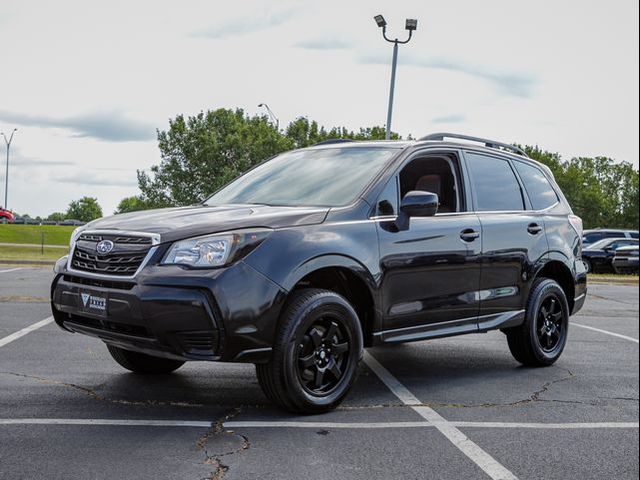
[214,250]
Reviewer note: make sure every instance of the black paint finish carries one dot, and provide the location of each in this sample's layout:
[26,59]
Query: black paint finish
[420,277]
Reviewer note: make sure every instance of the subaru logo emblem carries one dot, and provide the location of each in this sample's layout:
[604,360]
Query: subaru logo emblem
[104,247]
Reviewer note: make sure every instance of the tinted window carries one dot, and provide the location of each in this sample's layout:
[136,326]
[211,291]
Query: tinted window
[613,234]
[593,237]
[634,234]
[538,188]
[323,177]
[623,243]
[495,184]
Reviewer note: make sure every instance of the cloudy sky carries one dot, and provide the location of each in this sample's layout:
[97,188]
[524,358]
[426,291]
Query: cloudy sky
[88,83]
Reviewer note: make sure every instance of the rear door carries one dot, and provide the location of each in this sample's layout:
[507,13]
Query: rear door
[513,237]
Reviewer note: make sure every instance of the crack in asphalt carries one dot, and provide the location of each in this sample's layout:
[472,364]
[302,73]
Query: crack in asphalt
[534,397]
[215,458]
[96,396]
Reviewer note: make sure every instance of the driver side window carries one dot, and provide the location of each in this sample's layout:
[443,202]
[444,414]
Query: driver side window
[435,174]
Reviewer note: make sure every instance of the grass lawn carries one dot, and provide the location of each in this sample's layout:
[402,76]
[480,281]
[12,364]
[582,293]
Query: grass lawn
[603,277]
[31,253]
[53,234]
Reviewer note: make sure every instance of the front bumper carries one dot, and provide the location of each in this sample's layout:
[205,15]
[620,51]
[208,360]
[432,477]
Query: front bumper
[224,314]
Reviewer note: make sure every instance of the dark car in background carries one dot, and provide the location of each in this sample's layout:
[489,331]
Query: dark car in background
[308,258]
[597,234]
[599,255]
[625,260]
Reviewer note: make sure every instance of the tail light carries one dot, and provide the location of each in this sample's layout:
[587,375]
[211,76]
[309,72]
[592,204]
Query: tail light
[576,223]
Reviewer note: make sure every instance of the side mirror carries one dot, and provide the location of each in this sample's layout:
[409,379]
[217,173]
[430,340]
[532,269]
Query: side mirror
[419,204]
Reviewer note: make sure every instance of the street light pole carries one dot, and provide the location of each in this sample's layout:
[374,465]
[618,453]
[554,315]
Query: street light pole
[6,175]
[271,115]
[411,24]
[394,62]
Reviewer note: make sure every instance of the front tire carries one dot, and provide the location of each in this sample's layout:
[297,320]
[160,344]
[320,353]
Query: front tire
[142,363]
[316,353]
[540,340]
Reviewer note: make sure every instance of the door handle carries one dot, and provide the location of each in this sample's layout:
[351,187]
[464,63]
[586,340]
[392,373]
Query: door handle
[534,228]
[469,235]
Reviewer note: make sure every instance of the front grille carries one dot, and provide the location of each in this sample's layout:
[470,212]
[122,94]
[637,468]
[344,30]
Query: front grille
[108,326]
[124,259]
[92,282]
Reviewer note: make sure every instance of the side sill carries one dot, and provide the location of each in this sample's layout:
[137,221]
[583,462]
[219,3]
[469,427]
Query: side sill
[500,320]
[451,328]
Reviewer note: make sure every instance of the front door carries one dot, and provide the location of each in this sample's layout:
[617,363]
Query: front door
[430,267]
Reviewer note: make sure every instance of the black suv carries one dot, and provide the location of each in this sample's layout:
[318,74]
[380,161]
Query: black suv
[306,259]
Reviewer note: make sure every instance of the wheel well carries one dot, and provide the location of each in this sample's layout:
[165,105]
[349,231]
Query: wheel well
[351,286]
[559,272]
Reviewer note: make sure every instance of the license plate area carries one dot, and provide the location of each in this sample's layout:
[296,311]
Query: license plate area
[93,302]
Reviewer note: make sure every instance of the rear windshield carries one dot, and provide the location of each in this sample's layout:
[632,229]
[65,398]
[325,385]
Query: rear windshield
[324,177]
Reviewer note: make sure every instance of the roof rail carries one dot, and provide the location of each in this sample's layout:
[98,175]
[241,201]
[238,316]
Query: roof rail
[333,140]
[484,141]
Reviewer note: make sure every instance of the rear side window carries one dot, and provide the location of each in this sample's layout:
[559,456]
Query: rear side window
[495,185]
[541,193]
[593,237]
[634,234]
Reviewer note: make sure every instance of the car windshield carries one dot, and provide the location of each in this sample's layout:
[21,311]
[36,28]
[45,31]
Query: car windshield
[600,244]
[321,177]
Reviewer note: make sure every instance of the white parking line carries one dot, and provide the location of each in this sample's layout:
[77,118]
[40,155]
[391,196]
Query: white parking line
[606,332]
[552,426]
[374,425]
[24,331]
[476,454]
[10,270]
[105,422]
[303,424]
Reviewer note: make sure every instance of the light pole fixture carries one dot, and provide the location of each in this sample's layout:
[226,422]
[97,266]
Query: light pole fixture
[411,25]
[6,175]
[271,115]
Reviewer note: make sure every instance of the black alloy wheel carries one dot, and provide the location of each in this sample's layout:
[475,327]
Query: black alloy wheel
[316,353]
[323,355]
[549,323]
[541,339]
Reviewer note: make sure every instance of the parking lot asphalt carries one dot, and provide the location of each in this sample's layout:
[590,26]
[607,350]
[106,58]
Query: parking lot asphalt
[451,408]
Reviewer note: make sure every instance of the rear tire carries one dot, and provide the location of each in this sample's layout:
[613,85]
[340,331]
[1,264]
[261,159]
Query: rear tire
[540,340]
[315,355]
[142,363]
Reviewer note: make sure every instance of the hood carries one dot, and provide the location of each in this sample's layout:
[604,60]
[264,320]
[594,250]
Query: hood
[184,222]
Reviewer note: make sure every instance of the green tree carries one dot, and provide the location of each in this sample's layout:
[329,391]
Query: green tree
[56,217]
[304,133]
[84,209]
[131,204]
[202,153]
[604,193]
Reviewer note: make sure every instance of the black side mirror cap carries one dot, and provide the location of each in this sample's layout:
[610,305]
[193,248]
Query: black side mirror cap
[419,204]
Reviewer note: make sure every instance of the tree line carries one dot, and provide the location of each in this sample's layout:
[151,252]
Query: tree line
[199,154]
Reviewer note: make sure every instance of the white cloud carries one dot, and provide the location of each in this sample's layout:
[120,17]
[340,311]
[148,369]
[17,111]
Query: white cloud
[563,75]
